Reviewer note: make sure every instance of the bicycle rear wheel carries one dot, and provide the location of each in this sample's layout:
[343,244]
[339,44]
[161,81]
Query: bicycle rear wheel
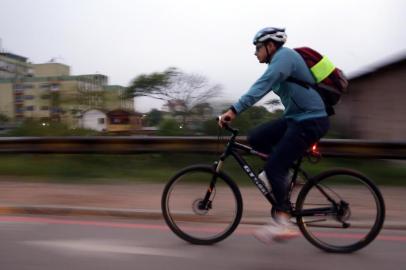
[201,206]
[340,211]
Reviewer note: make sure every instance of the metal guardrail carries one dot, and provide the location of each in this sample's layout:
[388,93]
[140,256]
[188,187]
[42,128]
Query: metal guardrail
[137,145]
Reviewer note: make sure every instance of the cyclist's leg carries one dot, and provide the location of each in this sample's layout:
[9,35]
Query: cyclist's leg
[299,136]
[265,136]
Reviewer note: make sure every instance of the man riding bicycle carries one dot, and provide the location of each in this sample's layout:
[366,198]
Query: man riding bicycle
[303,123]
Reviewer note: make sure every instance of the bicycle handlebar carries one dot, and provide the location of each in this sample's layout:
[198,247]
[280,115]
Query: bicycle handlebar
[226,125]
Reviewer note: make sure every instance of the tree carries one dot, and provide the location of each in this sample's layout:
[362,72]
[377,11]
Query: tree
[169,127]
[244,122]
[4,118]
[274,103]
[251,118]
[175,85]
[153,117]
[152,85]
[210,127]
[32,127]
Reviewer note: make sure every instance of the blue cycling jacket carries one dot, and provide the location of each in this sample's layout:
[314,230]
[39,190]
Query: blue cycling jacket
[300,103]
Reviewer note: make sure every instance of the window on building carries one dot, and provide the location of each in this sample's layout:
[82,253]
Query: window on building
[101,120]
[18,87]
[54,87]
[19,98]
[120,120]
[44,108]
[44,119]
[29,108]
[29,97]
[55,110]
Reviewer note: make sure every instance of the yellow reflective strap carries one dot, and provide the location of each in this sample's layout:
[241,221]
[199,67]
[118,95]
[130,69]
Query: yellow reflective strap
[322,69]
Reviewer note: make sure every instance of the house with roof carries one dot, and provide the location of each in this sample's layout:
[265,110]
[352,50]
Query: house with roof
[94,119]
[375,106]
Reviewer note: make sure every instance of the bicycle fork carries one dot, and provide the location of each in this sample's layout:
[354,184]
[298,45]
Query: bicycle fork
[206,203]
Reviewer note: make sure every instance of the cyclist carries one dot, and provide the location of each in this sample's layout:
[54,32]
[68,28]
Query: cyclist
[303,123]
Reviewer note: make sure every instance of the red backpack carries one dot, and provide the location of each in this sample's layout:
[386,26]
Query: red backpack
[331,82]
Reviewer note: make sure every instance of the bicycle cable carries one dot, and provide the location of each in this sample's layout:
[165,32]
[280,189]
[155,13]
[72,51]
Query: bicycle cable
[219,139]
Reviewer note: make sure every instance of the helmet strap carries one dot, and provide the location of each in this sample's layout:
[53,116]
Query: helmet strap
[268,56]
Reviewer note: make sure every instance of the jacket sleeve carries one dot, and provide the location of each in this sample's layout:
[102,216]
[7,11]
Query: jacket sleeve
[279,69]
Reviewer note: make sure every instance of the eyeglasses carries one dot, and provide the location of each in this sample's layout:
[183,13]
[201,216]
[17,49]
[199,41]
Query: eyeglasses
[258,47]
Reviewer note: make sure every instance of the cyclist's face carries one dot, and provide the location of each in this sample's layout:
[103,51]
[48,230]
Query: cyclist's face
[260,51]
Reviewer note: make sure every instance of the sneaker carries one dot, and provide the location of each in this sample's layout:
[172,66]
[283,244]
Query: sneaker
[279,231]
[264,180]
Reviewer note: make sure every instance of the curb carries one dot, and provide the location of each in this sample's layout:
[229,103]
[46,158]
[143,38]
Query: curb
[129,213]
[80,211]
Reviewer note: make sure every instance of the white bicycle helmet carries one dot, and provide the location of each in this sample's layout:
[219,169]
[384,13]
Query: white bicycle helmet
[270,33]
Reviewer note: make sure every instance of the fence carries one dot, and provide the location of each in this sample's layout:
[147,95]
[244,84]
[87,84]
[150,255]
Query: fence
[137,145]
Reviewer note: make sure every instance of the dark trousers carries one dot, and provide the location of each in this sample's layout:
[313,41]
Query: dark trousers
[286,140]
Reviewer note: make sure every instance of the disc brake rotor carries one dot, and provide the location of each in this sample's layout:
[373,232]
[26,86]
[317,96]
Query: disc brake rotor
[199,208]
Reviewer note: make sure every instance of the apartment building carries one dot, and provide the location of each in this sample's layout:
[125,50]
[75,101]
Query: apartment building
[58,97]
[12,66]
[114,98]
[48,92]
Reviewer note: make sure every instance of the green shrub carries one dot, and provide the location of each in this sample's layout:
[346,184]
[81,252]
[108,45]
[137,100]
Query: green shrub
[39,128]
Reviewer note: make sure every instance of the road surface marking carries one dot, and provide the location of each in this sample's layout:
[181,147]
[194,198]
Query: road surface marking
[106,247]
[239,231]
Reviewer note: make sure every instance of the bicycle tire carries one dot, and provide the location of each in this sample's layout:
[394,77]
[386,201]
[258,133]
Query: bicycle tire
[360,231]
[201,222]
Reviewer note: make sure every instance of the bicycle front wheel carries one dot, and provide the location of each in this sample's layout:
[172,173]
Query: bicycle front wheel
[201,206]
[340,211]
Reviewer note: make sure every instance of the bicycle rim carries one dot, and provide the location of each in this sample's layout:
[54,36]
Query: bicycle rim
[351,222]
[181,205]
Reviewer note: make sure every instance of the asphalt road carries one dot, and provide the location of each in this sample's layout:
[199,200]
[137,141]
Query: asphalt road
[44,243]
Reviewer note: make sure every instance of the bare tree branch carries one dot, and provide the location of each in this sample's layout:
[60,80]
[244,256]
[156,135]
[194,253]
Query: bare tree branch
[172,84]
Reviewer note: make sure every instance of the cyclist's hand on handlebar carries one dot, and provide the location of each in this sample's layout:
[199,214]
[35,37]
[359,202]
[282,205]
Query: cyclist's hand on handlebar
[226,118]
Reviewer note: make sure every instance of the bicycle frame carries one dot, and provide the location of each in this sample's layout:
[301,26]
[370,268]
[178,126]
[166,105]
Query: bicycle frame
[319,206]
[232,150]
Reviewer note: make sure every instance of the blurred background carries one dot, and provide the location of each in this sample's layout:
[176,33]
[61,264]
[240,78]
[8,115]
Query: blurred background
[167,68]
[102,101]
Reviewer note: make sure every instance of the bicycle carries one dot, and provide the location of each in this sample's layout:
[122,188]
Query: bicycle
[202,204]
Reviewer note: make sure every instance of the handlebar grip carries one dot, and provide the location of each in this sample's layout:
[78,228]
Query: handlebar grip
[225,123]
[226,119]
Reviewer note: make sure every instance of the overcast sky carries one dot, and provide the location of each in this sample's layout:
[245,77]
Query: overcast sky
[125,38]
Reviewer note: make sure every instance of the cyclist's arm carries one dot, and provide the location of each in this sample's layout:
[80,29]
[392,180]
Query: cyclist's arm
[278,70]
